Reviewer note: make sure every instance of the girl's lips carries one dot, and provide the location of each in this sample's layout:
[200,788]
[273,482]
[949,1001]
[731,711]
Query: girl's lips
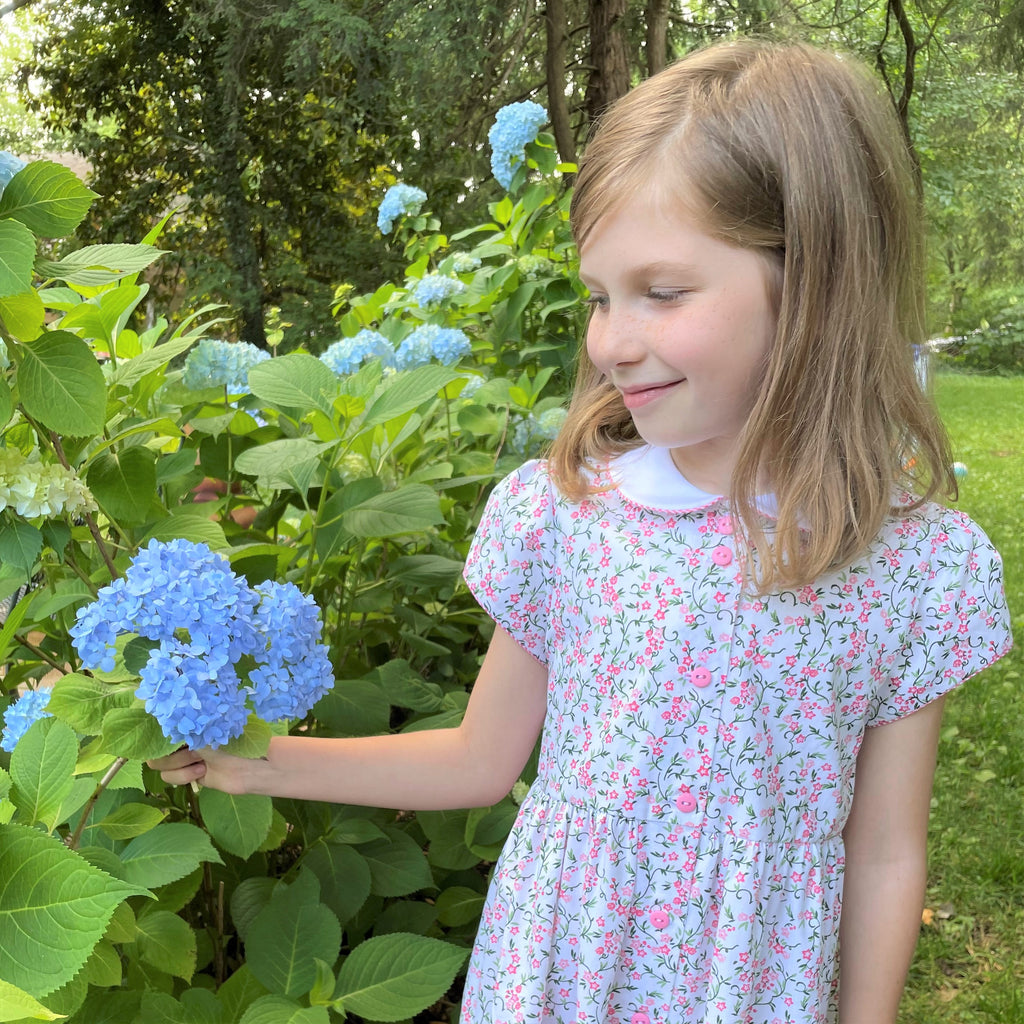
[638,396]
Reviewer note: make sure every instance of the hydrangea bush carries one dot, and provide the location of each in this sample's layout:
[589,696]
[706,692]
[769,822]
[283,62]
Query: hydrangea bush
[347,481]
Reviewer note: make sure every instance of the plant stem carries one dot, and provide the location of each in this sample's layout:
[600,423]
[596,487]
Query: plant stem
[89,519]
[118,764]
[41,654]
[214,903]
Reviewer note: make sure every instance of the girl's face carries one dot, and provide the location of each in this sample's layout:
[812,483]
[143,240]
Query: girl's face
[681,325]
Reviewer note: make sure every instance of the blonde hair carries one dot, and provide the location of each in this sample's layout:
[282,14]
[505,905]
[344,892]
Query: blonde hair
[795,153]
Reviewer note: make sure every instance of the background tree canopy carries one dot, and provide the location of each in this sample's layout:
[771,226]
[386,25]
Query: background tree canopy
[272,127]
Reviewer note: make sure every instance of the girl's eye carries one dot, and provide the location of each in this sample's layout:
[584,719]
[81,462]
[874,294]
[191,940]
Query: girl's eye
[596,301]
[666,294]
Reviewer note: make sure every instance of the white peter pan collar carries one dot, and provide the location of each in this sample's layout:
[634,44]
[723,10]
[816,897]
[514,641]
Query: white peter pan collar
[647,476]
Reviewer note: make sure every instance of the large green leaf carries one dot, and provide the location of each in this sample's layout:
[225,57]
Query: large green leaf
[279,1010]
[295,381]
[354,707]
[190,522]
[131,820]
[410,509]
[238,823]
[124,483]
[167,853]
[129,371]
[54,907]
[344,877]
[392,977]
[23,314]
[397,864]
[289,934]
[133,732]
[82,701]
[20,544]
[62,385]
[42,768]
[47,198]
[290,462]
[166,941]
[405,392]
[18,1005]
[96,265]
[17,252]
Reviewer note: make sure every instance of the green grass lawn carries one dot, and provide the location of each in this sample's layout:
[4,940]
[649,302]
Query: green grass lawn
[969,967]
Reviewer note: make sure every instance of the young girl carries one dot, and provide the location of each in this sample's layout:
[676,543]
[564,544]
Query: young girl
[716,597]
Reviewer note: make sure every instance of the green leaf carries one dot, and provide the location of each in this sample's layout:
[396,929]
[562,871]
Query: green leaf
[134,733]
[17,252]
[190,522]
[288,463]
[6,400]
[294,381]
[254,741]
[82,701]
[407,688]
[354,707]
[458,906]
[54,908]
[406,391]
[286,938]
[166,941]
[96,265]
[167,853]
[344,877]
[42,770]
[397,864]
[124,483]
[23,314]
[240,992]
[237,823]
[410,509]
[47,198]
[131,820]
[130,371]
[17,1005]
[20,544]
[278,1010]
[62,385]
[392,977]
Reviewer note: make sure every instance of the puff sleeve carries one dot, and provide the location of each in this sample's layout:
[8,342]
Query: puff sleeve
[957,623]
[510,561]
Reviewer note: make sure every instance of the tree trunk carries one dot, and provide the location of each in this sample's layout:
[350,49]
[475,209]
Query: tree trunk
[554,67]
[657,35]
[609,61]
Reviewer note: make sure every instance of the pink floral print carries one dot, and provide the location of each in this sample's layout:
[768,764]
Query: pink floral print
[679,857]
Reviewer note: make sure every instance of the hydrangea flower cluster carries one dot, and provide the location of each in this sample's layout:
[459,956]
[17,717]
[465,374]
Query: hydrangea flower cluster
[515,126]
[533,430]
[221,364]
[445,344]
[532,266]
[463,263]
[204,619]
[398,200]
[36,489]
[433,289]
[28,708]
[9,167]
[348,354]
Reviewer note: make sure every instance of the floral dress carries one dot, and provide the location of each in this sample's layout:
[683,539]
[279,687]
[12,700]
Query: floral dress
[680,857]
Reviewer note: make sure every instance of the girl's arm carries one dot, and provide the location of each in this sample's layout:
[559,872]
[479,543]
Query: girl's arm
[474,765]
[886,864]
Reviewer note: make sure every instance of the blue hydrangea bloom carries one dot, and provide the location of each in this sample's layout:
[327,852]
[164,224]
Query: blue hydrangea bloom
[293,671]
[348,354]
[9,167]
[398,200]
[216,364]
[515,126]
[531,431]
[204,619]
[445,344]
[433,289]
[28,708]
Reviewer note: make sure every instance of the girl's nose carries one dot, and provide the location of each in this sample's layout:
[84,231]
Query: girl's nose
[614,339]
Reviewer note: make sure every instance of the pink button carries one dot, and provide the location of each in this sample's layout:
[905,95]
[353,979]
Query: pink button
[700,677]
[639,1018]
[686,801]
[721,555]
[659,920]
[725,525]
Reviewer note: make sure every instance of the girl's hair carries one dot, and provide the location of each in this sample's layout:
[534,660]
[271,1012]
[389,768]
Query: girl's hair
[795,153]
